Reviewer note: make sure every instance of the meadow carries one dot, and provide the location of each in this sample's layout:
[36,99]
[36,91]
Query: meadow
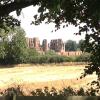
[39,76]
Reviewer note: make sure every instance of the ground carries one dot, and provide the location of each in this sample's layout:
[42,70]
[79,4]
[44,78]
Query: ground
[38,76]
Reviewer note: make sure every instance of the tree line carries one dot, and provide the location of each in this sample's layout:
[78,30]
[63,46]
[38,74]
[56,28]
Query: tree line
[71,45]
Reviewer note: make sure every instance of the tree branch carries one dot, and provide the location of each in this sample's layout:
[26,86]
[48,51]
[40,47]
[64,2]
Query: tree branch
[6,9]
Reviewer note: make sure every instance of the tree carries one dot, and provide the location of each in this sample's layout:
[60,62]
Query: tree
[80,45]
[84,57]
[2,50]
[32,54]
[73,12]
[70,45]
[4,41]
[17,47]
[50,53]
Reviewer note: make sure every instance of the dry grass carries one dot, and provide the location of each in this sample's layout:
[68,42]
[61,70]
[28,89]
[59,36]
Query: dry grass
[33,77]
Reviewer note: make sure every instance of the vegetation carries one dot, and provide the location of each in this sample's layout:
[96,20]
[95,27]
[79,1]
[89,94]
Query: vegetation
[14,47]
[80,45]
[17,47]
[71,45]
[46,92]
[85,57]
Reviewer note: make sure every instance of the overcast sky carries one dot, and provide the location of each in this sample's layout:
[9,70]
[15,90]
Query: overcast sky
[43,31]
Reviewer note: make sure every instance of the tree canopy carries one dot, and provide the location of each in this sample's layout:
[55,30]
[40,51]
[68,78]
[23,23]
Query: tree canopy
[84,14]
[80,45]
[58,11]
[71,45]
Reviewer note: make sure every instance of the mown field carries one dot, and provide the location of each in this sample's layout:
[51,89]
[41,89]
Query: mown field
[39,76]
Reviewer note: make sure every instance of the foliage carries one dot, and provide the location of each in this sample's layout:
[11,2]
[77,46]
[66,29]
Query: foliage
[85,57]
[92,45]
[70,45]
[46,92]
[4,38]
[50,53]
[7,24]
[32,53]
[80,44]
[2,50]
[13,48]
[48,59]
[17,50]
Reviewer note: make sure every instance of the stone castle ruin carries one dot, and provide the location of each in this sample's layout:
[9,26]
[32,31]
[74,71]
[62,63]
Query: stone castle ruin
[55,44]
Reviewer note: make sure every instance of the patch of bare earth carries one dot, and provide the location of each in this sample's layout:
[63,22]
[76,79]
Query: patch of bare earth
[33,77]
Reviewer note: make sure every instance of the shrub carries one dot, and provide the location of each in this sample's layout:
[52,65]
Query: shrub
[85,57]
[68,91]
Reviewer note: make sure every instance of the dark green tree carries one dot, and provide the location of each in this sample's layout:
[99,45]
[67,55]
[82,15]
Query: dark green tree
[70,45]
[80,45]
[32,55]
[4,41]
[17,47]
[2,50]
[50,53]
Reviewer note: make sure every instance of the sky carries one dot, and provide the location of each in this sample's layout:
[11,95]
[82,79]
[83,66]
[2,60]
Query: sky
[44,31]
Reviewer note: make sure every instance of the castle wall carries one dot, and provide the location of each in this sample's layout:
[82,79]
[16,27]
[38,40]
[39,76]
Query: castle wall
[70,53]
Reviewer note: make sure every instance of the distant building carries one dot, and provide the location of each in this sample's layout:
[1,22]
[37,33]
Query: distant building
[45,45]
[70,53]
[30,42]
[33,43]
[57,45]
[36,43]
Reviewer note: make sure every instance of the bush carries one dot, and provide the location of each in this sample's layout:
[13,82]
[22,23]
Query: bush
[85,57]
[68,91]
[68,59]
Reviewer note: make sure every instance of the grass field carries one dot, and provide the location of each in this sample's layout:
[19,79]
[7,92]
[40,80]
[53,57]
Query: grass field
[33,77]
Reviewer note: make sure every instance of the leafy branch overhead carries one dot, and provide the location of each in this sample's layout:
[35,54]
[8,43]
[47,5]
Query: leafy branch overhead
[59,11]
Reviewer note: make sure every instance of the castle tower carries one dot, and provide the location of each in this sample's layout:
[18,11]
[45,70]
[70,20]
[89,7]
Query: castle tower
[45,45]
[36,43]
[57,45]
[30,42]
